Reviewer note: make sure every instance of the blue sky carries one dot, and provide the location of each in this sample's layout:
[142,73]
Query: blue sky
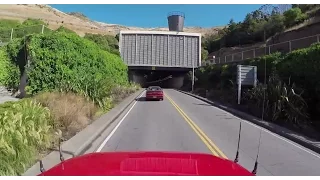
[156,15]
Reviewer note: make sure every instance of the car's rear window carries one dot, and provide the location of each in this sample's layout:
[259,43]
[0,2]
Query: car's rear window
[154,88]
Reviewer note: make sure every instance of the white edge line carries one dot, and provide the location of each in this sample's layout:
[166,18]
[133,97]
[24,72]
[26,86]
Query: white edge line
[273,134]
[114,130]
[284,139]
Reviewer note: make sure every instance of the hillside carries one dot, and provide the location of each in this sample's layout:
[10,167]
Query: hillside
[299,24]
[77,21]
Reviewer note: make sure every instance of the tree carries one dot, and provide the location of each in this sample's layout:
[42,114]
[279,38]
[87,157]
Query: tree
[204,54]
[283,8]
[266,10]
[293,16]
[117,37]
[232,26]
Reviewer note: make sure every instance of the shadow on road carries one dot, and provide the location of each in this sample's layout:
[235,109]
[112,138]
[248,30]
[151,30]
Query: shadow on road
[144,99]
[201,104]
[141,99]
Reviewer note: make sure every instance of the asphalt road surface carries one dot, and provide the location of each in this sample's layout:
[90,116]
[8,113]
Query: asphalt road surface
[184,123]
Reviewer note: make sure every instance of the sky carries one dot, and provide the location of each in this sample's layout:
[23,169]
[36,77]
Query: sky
[156,15]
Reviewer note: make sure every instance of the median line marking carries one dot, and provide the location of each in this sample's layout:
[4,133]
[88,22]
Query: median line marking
[206,140]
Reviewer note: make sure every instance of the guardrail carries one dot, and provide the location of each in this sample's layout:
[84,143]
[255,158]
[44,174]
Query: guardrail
[284,47]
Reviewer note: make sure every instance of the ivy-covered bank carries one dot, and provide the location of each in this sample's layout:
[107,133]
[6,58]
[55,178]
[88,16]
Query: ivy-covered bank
[292,94]
[71,81]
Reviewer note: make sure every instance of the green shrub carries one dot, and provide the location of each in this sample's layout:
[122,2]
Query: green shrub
[105,42]
[4,62]
[293,16]
[27,27]
[265,63]
[303,68]
[8,23]
[9,72]
[33,22]
[64,29]
[6,26]
[283,103]
[25,130]
[300,67]
[68,62]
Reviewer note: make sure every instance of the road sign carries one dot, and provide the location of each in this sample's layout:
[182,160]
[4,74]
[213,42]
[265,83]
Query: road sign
[153,68]
[246,75]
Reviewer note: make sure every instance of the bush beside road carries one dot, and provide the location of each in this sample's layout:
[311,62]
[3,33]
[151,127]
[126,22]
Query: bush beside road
[71,82]
[292,80]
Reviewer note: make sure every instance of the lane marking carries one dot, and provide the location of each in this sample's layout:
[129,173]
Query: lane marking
[114,130]
[206,140]
[195,130]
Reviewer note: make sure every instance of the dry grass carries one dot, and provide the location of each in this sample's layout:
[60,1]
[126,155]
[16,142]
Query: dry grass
[119,93]
[71,112]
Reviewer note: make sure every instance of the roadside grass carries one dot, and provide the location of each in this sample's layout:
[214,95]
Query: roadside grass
[29,128]
[120,92]
[26,129]
[71,112]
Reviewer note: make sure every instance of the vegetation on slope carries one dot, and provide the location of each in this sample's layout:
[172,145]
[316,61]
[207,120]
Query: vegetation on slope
[292,97]
[71,81]
[27,27]
[78,15]
[64,29]
[259,25]
[106,42]
[292,94]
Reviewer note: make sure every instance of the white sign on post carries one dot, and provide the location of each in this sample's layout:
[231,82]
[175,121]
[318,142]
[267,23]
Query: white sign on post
[246,75]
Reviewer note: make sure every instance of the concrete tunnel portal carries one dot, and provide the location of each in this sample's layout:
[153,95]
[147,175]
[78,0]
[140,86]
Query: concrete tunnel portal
[162,78]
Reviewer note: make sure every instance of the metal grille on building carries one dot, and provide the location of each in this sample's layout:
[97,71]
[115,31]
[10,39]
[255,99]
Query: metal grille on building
[166,49]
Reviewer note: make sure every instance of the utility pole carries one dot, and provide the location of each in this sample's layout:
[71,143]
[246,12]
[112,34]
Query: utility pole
[265,42]
[192,74]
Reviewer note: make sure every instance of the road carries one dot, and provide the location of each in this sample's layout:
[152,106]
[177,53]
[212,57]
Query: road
[184,123]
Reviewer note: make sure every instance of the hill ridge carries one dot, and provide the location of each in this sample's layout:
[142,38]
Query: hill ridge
[56,18]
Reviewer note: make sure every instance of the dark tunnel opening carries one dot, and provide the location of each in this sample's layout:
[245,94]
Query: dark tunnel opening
[162,78]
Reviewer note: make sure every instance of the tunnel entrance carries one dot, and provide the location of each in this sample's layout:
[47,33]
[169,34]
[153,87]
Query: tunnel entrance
[162,78]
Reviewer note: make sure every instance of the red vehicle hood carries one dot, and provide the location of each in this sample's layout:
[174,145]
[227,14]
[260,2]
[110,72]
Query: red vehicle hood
[147,163]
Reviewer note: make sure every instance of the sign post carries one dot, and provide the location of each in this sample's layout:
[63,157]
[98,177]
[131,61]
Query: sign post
[246,75]
[239,83]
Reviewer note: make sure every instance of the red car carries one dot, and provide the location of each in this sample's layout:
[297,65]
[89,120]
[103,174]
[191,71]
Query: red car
[146,164]
[154,92]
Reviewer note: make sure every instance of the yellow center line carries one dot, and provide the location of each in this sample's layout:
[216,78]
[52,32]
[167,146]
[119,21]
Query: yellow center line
[207,141]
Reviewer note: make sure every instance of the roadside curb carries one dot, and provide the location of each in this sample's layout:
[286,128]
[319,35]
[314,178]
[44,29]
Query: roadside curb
[293,136]
[81,141]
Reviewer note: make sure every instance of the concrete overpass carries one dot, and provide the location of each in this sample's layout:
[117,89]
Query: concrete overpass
[161,57]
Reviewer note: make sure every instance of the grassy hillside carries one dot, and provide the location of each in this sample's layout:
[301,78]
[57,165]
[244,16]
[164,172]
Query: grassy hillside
[76,21]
